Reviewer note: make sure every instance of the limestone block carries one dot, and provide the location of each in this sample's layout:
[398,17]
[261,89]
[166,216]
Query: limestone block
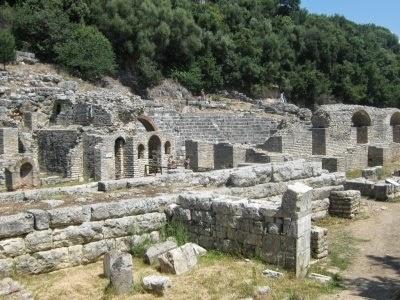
[69,216]
[108,261]
[27,264]
[319,278]
[133,225]
[52,260]
[121,274]
[152,253]
[243,177]
[179,260]
[39,241]
[366,187]
[15,225]
[297,200]
[383,191]
[92,251]
[6,267]
[12,247]
[41,217]
[77,235]
[75,254]
[372,173]
[272,274]
[156,284]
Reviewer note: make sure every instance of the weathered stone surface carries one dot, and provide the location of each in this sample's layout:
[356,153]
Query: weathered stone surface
[242,178]
[39,241]
[12,247]
[121,273]
[52,260]
[6,267]
[69,216]
[152,254]
[133,225]
[200,251]
[92,251]
[319,278]
[15,225]
[108,261]
[179,260]
[9,286]
[261,292]
[272,274]
[41,217]
[75,254]
[77,235]
[156,284]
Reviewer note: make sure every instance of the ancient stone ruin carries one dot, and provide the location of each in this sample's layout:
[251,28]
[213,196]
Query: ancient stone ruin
[246,181]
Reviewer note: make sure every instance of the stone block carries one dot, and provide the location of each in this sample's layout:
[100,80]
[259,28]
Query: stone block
[67,216]
[6,267]
[41,218]
[92,251]
[121,274]
[39,241]
[15,225]
[77,235]
[75,254]
[12,247]
[156,284]
[179,260]
[319,278]
[272,274]
[108,261]
[152,254]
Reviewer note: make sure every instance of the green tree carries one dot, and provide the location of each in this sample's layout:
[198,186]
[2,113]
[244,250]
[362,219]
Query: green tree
[86,53]
[7,47]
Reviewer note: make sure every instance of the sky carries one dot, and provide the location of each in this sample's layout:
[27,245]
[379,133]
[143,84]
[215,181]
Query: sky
[384,13]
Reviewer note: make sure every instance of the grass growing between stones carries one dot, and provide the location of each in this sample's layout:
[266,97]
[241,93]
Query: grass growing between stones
[352,174]
[217,276]
[176,230]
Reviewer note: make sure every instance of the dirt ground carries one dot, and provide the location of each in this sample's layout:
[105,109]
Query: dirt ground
[375,271]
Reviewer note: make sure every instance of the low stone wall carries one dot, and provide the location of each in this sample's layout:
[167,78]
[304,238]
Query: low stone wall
[277,234]
[40,241]
[381,190]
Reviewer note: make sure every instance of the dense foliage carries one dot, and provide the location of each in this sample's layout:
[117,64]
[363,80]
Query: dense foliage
[86,53]
[7,47]
[248,45]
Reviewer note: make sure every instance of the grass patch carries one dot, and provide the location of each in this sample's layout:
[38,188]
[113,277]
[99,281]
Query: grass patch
[140,248]
[352,174]
[176,230]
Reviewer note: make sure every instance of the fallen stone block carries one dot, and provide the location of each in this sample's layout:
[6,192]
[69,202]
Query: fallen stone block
[272,274]
[156,284]
[179,260]
[152,254]
[319,278]
[121,276]
[262,292]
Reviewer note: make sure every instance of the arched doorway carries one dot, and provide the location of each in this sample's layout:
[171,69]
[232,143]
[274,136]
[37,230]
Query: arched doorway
[119,151]
[167,147]
[395,123]
[26,175]
[154,154]
[361,121]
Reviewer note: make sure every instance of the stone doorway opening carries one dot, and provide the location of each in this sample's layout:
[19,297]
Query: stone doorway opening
[154,154]
[26,175]
[361,121]
[119,152]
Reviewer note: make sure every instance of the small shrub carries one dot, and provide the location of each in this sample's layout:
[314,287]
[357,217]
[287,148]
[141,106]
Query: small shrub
[7,47]
[86,53]
[177,230]
[139,249]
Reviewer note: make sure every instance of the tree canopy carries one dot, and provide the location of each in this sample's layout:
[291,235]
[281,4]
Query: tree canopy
[247,45]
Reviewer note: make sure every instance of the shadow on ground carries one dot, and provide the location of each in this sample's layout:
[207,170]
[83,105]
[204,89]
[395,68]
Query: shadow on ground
[378,287]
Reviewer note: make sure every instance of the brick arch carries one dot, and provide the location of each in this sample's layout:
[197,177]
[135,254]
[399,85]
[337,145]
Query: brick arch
[147,123]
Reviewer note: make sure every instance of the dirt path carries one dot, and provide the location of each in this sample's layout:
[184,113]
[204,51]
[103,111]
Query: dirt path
[375,273]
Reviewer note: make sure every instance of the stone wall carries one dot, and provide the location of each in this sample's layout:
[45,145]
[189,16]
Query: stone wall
[279,235]
[213,127]
[40,241]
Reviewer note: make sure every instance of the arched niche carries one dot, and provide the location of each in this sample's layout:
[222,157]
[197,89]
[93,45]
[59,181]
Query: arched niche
[395,123]
[119,152]
[154,148]
[361,121]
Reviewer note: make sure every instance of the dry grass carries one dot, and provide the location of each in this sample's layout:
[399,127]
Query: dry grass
[217,276]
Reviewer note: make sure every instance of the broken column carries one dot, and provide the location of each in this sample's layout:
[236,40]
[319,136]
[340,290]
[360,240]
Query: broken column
[344,204]
[319,242]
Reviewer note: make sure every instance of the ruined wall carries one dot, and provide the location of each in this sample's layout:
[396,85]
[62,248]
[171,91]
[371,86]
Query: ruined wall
[279,235]
[41,241]
[215,128]
[54,150]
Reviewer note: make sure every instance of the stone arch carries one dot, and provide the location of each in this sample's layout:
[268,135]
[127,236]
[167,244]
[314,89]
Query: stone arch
[140,151]
[154,148]
[24,174]
[147,123]
[167,147]
[361,121]
[395,123]
[57,109]
[119,152]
